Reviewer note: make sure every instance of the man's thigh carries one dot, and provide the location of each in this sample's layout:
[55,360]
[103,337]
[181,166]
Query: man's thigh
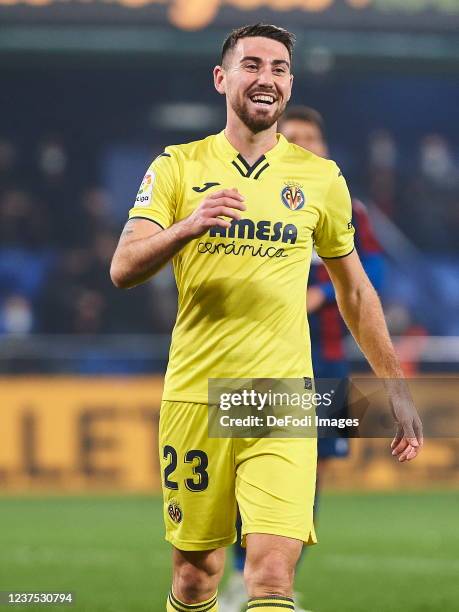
[275,486]
[198,479]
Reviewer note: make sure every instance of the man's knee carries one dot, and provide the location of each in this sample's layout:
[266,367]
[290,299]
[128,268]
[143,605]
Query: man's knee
[197,574]
[270,567]
[272,574]
[193,583]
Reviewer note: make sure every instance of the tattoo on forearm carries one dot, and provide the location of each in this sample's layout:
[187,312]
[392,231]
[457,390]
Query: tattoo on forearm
[127,229]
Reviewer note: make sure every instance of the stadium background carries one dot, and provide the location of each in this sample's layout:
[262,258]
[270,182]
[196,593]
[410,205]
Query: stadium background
[90,93]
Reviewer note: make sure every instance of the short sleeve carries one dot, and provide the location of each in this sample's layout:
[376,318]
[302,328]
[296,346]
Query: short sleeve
[334,233]
[157,196]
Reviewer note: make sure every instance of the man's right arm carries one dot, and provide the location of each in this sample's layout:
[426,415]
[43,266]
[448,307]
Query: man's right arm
[144,247]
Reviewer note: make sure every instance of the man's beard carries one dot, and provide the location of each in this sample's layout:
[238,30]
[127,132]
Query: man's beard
[256,123]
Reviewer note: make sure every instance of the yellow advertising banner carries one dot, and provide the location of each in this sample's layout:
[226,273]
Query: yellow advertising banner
[370,467]
[79,434]
[86,434]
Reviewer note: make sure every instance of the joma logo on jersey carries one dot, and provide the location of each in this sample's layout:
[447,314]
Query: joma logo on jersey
[293,197]
[262,230]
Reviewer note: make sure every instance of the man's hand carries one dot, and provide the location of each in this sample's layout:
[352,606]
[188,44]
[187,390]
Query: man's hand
[408,439]
[144,247]
[224,203]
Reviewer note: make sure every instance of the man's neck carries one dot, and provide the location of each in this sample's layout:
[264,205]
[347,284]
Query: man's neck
[251,146]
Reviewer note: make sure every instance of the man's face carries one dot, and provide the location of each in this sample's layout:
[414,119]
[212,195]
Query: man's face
[256,80]
[306,135]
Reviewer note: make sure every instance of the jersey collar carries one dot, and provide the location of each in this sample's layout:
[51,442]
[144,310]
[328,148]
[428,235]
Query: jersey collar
[233,156]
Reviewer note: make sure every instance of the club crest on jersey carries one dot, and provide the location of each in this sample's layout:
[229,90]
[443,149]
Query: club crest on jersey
[144,193]
[175,512]
[293,196]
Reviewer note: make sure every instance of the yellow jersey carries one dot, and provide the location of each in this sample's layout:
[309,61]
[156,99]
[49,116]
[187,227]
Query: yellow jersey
[242,290]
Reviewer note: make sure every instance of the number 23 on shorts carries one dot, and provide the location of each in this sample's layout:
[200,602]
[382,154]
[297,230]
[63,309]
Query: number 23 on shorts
[199,463]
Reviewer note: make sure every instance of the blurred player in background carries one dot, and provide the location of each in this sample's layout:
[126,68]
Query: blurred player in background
[238,214]
[304,126]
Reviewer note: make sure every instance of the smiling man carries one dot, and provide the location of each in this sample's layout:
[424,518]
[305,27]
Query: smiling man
[238,214]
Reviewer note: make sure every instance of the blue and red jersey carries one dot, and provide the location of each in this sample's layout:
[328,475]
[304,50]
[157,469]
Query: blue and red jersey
[327,328]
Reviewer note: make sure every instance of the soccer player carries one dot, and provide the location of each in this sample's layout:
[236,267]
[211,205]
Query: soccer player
[238,214]
[304,126]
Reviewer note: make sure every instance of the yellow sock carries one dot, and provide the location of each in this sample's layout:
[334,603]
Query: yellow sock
[174,605]
[272,603]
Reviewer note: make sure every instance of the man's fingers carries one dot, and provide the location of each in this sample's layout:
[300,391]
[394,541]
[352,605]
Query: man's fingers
[224,211]
[221,222]
[398,436]
[407,448]
[226,201]
[401,446]
[223,193]
[415,448]
[413,454]
[412,431]
[410,453]
[406,453]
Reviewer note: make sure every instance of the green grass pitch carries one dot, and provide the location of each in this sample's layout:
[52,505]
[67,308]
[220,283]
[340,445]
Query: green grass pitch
[377,552]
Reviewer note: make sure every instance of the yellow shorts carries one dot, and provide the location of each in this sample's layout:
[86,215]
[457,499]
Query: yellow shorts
[272,480]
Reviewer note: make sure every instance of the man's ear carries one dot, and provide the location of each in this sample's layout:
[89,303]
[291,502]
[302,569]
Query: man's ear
[219,79]
[291,86]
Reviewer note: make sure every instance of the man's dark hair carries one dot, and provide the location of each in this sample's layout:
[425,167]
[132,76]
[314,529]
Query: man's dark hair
[259,29]
[306,114]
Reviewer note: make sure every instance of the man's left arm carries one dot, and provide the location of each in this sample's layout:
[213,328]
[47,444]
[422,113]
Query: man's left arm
[361,309]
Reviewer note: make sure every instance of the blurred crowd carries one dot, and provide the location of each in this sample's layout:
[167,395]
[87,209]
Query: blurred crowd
[57,237]
[58,233]
[422,195]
